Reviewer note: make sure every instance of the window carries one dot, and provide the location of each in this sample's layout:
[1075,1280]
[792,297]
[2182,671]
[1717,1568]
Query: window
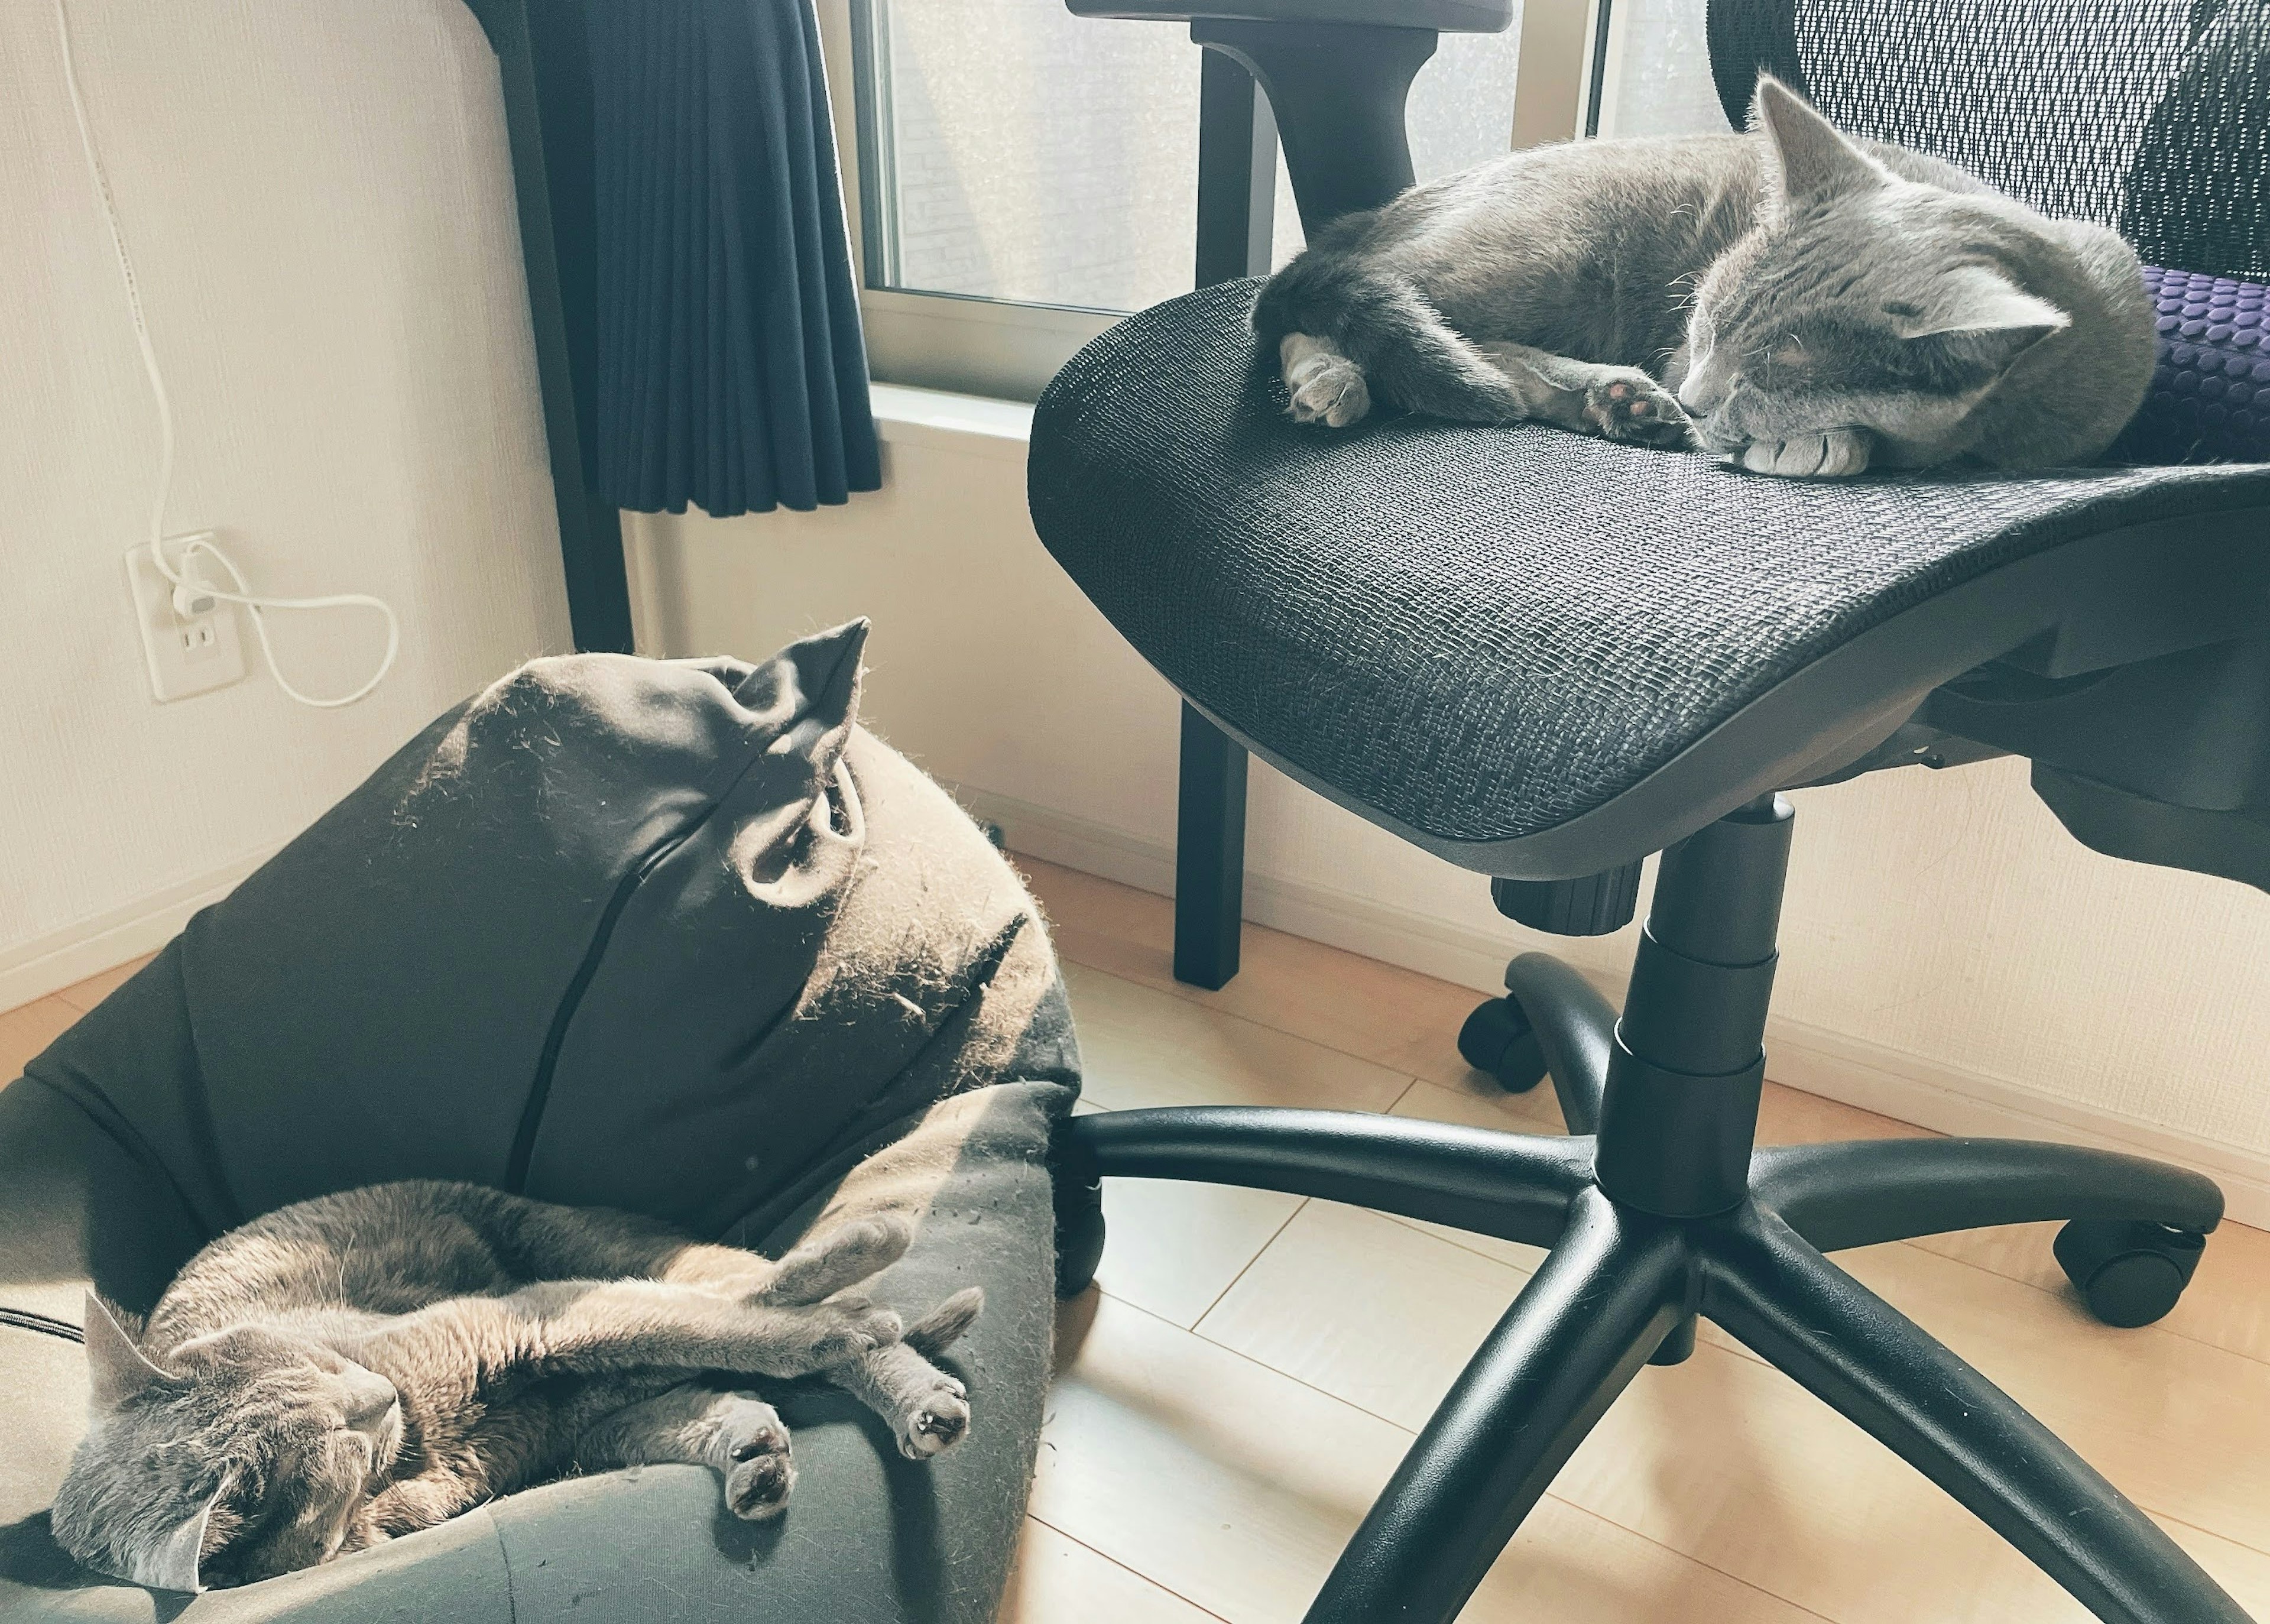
[1658,71]
[1024,175]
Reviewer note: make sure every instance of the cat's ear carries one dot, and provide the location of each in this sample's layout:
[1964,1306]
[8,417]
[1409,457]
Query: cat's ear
[171,1564]
[1807,157]
[1977,299]
[115,1367]
[1978,320]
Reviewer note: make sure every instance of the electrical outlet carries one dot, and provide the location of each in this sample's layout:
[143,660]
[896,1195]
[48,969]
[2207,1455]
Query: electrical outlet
[183,656]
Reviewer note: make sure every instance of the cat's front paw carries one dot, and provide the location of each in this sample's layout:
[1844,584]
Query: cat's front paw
[1832,454]
[759,1470]
[1634,408]
[931,1420]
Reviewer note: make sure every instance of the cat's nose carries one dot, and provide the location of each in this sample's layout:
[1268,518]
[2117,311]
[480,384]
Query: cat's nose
[372,1399]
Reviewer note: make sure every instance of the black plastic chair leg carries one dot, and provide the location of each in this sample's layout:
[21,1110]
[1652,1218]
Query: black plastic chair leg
[1574,1027]
[1806,1317]
[1581,1329]
[1209,854]
[1861,1194]
[1508,1185]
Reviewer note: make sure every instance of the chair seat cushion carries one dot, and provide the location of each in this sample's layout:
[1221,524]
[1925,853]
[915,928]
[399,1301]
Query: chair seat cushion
[1479,633]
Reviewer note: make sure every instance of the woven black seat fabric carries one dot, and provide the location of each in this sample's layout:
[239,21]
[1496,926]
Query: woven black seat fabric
[1482,632]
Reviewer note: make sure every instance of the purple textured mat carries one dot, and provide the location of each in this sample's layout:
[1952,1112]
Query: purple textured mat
[2210,397]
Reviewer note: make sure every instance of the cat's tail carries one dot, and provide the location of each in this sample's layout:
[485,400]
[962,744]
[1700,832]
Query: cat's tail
[942,1327]
[1411,357]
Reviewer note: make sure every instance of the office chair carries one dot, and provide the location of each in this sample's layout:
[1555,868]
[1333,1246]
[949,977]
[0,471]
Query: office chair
[1545,658]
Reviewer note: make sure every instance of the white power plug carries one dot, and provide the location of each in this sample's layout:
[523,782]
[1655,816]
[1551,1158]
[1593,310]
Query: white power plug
[186,653]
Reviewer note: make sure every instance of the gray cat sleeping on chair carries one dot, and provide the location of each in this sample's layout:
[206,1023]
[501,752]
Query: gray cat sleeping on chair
[1791,300]
[367,1364]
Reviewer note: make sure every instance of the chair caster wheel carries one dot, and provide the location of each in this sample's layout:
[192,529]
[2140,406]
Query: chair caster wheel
[1079,1236]
[1497,1039]
[2129,1273]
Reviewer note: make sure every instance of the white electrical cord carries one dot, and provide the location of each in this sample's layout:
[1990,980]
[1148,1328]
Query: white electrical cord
[185,589]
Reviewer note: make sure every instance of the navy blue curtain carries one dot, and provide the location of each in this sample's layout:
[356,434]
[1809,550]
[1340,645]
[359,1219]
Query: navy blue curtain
[732,372]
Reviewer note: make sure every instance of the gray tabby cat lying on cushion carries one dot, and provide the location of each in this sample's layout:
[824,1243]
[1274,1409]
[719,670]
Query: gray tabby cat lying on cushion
[1790,299]
[367,1364]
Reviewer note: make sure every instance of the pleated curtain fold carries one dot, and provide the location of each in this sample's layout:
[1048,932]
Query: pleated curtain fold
[731,371]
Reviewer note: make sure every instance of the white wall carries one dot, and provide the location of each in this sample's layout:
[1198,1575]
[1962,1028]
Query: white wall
[319,204]
[1950,955]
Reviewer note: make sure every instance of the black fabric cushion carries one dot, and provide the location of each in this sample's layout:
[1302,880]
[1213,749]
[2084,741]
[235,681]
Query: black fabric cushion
[677,936]
[1482,632]
[611,933]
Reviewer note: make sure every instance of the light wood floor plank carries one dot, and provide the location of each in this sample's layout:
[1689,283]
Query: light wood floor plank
[28,1029]
[2243,1572]
[1383,1316]
[2226,1306]
[1142,1047]
[1060,1581]
[1372,1312]
[1382,1012]
[2183,1427]
[86,994]
[1230,1484]
[1722,1456]
[1235,1487]
[1173,1249]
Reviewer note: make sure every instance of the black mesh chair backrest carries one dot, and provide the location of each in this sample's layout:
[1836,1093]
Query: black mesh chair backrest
[2149,115]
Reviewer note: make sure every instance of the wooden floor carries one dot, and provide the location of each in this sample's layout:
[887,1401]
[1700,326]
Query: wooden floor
[1253,1365]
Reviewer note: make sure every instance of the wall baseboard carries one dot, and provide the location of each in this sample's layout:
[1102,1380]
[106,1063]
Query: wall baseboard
[52,962]
[1814,1059]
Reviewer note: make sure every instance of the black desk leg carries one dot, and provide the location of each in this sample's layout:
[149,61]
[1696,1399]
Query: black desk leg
[1209,854]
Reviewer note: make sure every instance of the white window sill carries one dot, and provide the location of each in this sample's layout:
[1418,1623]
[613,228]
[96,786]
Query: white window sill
[972,424]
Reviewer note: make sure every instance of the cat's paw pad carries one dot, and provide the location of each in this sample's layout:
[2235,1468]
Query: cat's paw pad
[930,1422]
[1834,454]
[1635,409]
[760,1471]
[1324,386]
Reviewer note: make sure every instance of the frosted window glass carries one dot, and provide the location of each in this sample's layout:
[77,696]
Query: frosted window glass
[1044,158]
[1662,85]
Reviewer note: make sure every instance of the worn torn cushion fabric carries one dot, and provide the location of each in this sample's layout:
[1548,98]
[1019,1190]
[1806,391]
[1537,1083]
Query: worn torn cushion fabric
[677,936]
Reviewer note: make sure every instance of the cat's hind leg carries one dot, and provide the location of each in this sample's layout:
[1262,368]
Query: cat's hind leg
[927,1409]
[736,1433]
[821,1265]
[1322,382]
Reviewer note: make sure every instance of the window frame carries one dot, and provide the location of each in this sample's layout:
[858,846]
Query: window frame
[1009,350]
